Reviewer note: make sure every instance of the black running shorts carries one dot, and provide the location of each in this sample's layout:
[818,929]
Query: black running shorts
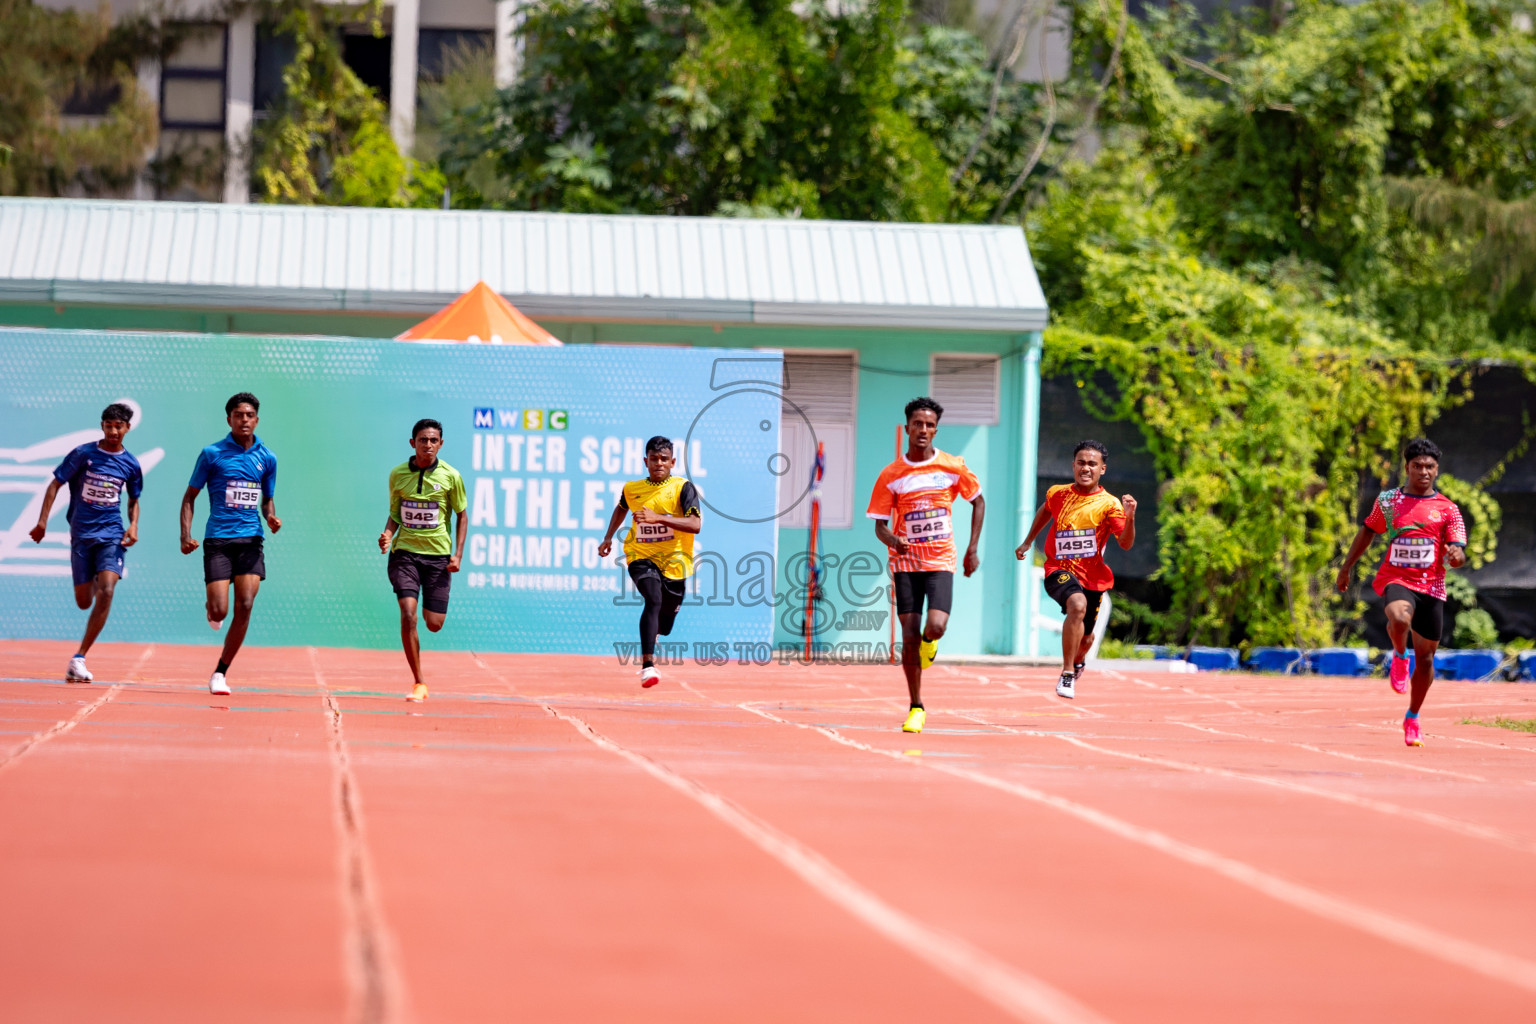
[912,587]
[1061,585]
[236,556]
[1428,612]
[424,575]
[645,569]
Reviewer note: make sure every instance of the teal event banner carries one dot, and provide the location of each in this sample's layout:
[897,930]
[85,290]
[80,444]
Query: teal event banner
[544,438]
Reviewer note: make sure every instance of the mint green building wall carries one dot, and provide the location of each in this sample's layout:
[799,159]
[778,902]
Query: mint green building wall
[990,609]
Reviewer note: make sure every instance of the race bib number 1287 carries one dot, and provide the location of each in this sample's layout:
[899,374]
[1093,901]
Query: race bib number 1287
[1412,552]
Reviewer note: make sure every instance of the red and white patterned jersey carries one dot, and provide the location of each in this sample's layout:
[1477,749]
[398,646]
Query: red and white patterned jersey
[917,498]
[1418,528]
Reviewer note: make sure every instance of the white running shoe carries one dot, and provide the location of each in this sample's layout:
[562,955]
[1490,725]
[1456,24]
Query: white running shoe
[649,676]
[1064,685]
[77,672]
[217,684]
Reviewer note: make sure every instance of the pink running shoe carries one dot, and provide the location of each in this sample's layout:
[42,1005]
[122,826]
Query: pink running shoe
[1411,732]
[1397,673]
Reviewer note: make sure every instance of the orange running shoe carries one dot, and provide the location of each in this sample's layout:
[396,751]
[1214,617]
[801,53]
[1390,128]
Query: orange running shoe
[418,693]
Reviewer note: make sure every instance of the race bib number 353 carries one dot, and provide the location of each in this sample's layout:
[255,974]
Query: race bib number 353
[1412,553]
[653,533]
[100,490]
[242,494]
[420,515]
[927,524]
[1076,543]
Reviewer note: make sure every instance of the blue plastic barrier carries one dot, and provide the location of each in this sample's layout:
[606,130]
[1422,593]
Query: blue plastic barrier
[1275,659]
[1445,664]
[1340,661]
[1527,663]
[1478,665]
[1209,659]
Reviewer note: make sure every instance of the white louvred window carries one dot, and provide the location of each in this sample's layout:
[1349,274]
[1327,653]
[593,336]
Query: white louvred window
[967,387]
[820,398]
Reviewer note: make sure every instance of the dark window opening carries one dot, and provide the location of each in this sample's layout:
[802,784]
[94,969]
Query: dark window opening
[368,58]
[434,44]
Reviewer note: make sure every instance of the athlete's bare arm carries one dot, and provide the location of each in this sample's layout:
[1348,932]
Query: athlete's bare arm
[978,513]
[390,526]
[889,539]
[1041,518]
[614,522]
[131,535]
[188,544]
[687,524]
[41,528]
[461,534]
[1127,536]
[1346,571]
[269,509]
[1455,556]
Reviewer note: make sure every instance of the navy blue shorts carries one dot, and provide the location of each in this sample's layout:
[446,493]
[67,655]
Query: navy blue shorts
[89,557]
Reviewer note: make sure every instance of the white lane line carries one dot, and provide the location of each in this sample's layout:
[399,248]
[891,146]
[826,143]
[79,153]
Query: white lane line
[1469,829]
[1484,960]
[1478,743]
[59,728]
[376,987]
[1019,994]
[1333,753]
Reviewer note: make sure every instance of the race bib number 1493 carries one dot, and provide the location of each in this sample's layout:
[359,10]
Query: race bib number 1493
[1076,543]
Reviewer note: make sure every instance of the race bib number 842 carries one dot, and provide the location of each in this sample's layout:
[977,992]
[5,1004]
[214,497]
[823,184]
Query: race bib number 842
[1412,553]
[242,494]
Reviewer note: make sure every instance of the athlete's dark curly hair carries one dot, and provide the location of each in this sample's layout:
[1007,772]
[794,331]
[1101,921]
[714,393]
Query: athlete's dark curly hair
[658,444]
[1421,446]
[1097,446]
[117,411]
[426,425]
[925,403]
[243,398]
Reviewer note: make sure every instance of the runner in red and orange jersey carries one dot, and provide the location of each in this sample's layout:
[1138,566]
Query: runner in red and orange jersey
[1083,516]
[913,509]
[1425,533]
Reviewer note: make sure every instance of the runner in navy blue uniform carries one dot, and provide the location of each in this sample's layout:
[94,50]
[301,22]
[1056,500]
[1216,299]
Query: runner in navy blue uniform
[241,476]
[96,474]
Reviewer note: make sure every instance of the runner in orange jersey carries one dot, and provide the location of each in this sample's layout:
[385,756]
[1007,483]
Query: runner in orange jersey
[912,506]
[1083,516]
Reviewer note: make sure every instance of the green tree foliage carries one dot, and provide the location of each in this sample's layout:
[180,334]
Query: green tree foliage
[328,139]
[48,56]
[745,106]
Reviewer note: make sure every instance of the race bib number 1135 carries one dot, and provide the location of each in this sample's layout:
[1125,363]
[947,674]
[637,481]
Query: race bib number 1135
[242,494]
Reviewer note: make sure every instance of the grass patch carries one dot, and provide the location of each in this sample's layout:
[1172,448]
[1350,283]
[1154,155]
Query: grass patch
[1515,724]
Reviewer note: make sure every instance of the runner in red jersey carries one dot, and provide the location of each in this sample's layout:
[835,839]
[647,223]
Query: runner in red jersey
[912,506]
[1425,533]
[1082,516]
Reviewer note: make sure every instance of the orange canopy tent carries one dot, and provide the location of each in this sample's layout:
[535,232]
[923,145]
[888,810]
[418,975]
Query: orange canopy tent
[480,316]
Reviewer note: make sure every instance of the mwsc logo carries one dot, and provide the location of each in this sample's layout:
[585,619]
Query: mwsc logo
[520,419]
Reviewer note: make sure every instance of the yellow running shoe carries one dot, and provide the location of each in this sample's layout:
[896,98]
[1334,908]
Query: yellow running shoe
[418,693]
[915,719]
[926,652]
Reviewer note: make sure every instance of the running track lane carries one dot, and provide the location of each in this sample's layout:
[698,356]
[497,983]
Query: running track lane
[543,839]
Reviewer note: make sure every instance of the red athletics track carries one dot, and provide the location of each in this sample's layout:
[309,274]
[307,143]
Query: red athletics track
[544,841]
